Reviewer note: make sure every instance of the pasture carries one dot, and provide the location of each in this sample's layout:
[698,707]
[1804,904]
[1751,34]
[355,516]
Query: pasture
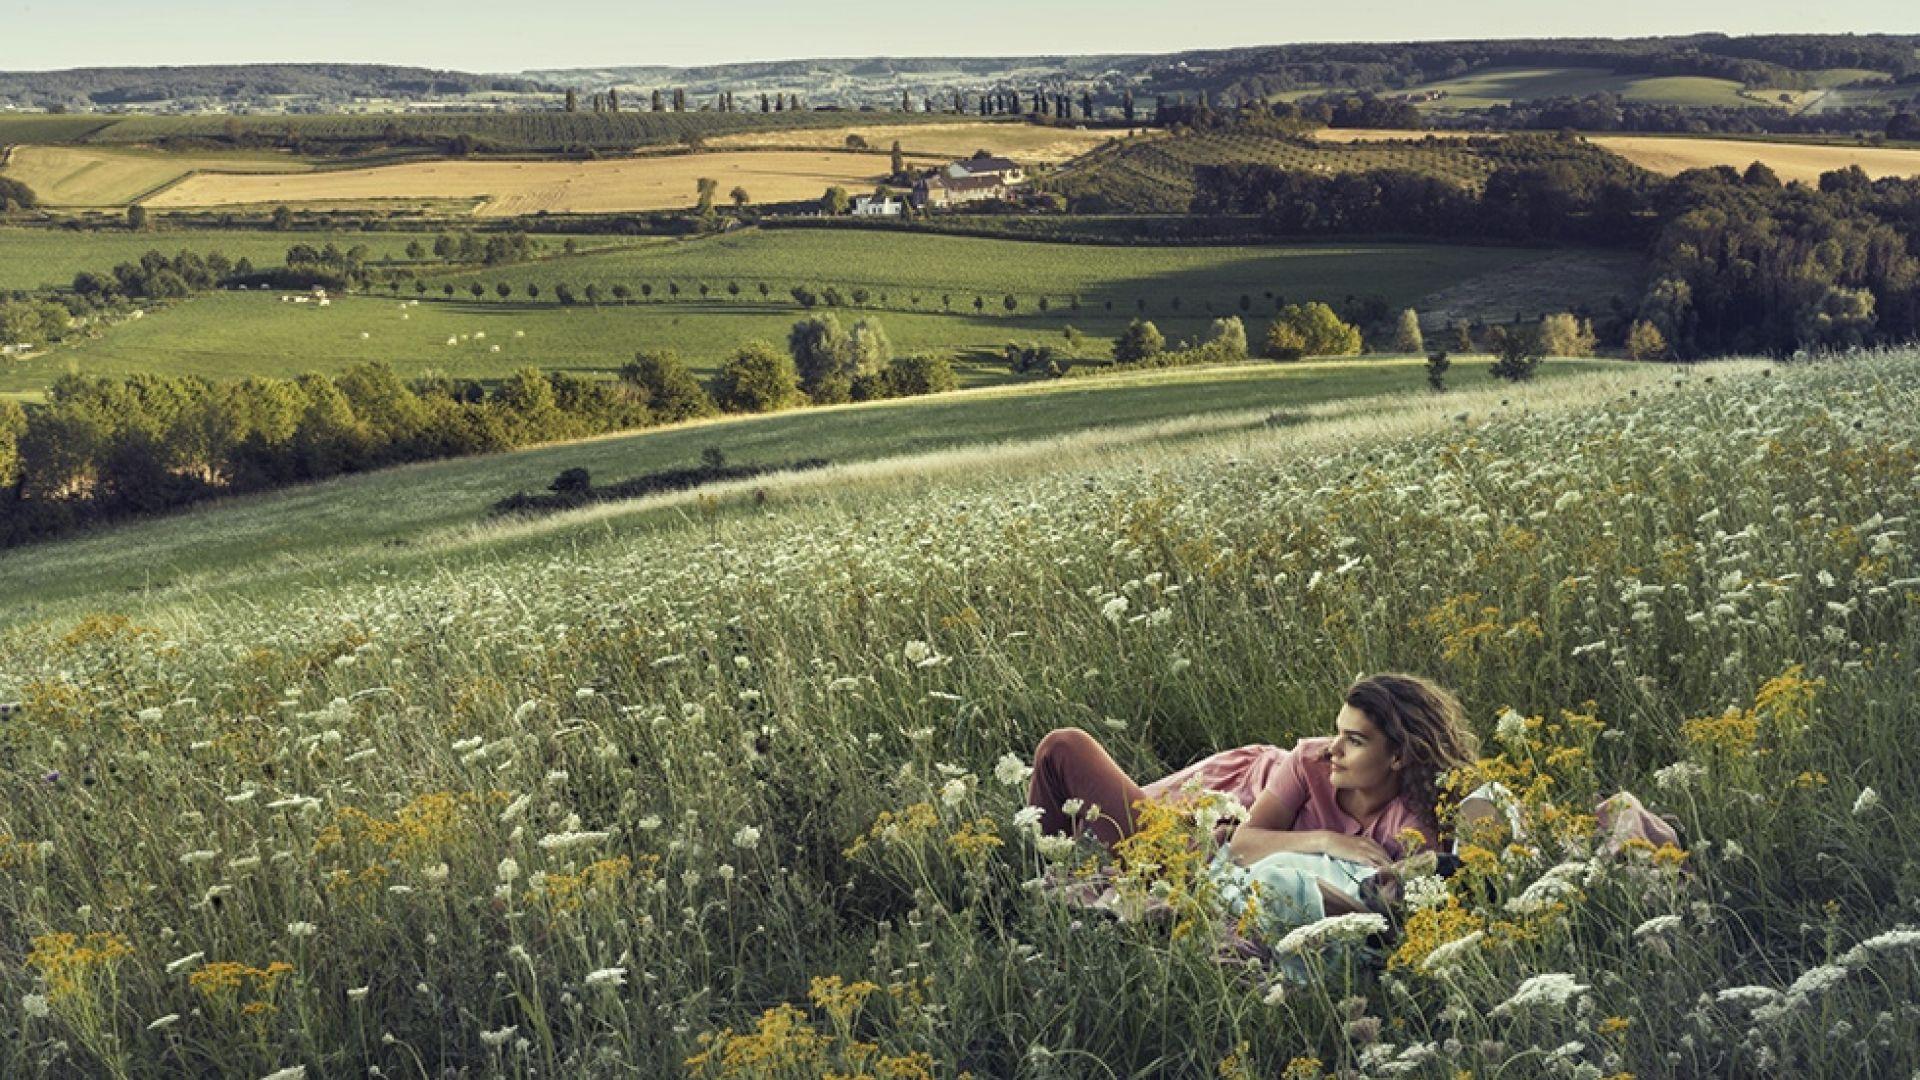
[69,176]
[43,258]
[509,188]
[689,786]
[905,278]
[1791,161]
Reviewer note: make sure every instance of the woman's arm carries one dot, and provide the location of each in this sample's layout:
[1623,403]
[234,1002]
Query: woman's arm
[1269,828]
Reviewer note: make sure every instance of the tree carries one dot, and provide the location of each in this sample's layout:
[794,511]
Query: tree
[869,350]
[136,217]
[1310,329]
[415,251]
[13,424]
[759,378]
[671,390]
[1645,342]
[282,218]
[1564,335]
[573,101]
[1139,341]
[1228,338]
[898,160]
[1406,335]
[739,197]
[835,202]
[622,294]
[1437,365]
[823,358]
[1517,351]
[706,186]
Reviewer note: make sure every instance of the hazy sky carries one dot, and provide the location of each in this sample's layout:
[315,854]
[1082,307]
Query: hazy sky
[486,35]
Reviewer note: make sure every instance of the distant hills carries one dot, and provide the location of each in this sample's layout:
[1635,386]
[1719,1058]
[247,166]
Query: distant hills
[1774,62]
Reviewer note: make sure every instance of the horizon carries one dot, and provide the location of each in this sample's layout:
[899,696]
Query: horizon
[497,40]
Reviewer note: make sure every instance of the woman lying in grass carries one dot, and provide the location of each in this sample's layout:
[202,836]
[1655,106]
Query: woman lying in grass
[1325,817]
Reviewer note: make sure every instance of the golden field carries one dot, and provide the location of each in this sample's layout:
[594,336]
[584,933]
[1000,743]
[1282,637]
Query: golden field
[93,176]
[1792,161]
[659,182]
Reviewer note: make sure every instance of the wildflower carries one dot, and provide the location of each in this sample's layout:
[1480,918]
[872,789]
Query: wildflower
[1276,994]
[1656,926]
[650,823]
[954,793]
[1425,892]
[917,652]
[499,1036]
[176,966]
[1448,953]
[725,873]
[1052,846]
[746,838]
[515,809]
[1510,728]
[1114,610]
[35,1006]
[562,841]
[1333,928]
[164,1022]
[1865,804]
[294,1072]
[302,929]
[1747,997]
[358,993]
[194,858]
[1552,990]
[436,874]
[508,870]
[1011,771]
[1678,775]
[1072,807]
[612,976]
[1027,817]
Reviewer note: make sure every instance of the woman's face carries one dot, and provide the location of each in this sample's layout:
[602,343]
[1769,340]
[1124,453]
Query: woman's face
[1360,754]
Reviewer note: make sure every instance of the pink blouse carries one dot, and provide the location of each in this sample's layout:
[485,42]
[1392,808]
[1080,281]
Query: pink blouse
[1300,777]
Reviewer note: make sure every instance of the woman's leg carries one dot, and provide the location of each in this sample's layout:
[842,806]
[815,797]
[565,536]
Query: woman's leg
[1071,764]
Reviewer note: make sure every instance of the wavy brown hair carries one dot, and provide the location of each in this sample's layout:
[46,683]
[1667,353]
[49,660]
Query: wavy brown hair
[1425,724]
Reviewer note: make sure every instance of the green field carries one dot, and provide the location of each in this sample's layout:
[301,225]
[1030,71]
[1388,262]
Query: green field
[47,258]
[246,541]
[230,335]
[1504,86]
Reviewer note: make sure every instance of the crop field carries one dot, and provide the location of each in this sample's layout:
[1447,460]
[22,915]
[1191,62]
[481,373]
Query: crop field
[1503,86]
[508,188]
[686,786]
[41,258]
[1021,141]
[89,176]
[1792,161]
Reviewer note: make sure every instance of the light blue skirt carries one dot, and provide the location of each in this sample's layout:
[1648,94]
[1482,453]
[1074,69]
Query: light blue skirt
[1288,886]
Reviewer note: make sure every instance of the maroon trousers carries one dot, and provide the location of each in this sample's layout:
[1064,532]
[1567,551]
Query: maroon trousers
[1071,764]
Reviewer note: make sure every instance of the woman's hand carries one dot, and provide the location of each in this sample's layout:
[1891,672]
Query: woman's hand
[1358,849]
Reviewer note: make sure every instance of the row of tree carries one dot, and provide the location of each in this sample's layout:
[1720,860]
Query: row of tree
[103,448]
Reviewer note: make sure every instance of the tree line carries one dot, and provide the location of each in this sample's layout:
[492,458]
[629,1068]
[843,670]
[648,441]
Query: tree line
[102,448]
[1740,262]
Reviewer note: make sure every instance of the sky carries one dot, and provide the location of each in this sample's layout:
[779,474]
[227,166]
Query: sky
[494,36]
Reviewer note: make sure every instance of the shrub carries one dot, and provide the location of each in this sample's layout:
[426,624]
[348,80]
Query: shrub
[1228,338]
[1140,340]
[921,373]
[759,378]
[1437,365]
[1315,331]
[1518,351]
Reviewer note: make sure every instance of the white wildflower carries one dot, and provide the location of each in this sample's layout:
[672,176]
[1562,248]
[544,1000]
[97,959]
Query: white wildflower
[955,792]
[508,870]
[499,1036]
[1678,776]
[1333,928]
[1865,804]
[1027,817]
[35,1006]
[292,1072]
[1510,728]
[301,929]
[1114,610]
[1552,990]
[164,1022]
[563,841]
[1659,924]
[1448,953]
[917,652]
[746,838]
[174,967]
[1011,771]
[611,976]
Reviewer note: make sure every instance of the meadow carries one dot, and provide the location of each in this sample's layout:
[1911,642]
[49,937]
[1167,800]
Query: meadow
[1504,86]
[234,334]
[726,784]
[45,258]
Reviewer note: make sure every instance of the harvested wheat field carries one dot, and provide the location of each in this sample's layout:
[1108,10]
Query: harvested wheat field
[1023,142]
[662,182]
[90,176]
[1792,161]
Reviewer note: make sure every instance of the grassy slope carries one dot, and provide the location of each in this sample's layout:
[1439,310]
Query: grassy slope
[307,533]
[97,176]
[1501,86]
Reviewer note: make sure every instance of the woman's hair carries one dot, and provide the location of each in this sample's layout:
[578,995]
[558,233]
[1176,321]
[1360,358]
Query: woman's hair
[1424,723]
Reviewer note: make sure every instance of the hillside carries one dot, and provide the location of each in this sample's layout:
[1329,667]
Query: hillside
[677,787]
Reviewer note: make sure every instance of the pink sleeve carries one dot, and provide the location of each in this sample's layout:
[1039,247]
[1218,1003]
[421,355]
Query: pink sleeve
[1290,784]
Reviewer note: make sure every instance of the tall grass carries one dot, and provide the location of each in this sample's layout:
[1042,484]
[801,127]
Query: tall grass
[730,795]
